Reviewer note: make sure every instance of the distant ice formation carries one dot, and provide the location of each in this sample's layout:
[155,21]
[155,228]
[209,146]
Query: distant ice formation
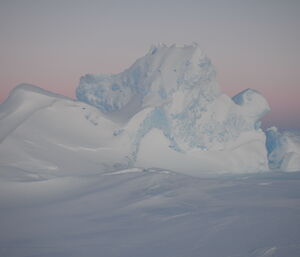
[284,149]
[165,111]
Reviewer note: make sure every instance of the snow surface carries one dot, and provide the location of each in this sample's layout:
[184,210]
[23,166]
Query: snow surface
[149,212]
[49,134]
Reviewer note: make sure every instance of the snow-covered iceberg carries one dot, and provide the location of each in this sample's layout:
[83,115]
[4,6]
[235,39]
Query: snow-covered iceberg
[169,103]
[165,111]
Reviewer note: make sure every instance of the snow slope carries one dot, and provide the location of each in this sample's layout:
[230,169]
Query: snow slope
[49,134]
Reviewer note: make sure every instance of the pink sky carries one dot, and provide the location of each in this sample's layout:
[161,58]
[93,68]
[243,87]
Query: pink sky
[253,45]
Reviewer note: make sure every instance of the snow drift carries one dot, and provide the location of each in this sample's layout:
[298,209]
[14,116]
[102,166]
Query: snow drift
[49,134]
[165,111]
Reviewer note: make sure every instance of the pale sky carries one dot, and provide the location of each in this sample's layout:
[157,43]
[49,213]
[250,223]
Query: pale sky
[252,43]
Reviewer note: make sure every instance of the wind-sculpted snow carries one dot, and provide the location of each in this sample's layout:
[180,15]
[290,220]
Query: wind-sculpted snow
[149,212]
[44,133]
[284,149]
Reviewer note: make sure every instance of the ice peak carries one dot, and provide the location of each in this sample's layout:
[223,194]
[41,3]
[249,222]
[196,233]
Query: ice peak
[191,49]
[152,79]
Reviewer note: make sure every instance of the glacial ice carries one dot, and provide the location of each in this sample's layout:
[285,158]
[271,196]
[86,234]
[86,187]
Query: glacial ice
[283,149]
[174,89]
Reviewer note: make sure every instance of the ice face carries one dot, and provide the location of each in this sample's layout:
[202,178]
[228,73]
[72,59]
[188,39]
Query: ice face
[104,92]
[283,149]
[181,82]
[153,79]
[177,87]
[252,103]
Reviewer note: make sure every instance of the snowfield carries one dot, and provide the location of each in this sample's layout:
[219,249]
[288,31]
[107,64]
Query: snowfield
[152,212]
[154,161]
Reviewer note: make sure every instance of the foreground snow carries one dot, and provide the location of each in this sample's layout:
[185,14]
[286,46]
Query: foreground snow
[152,212]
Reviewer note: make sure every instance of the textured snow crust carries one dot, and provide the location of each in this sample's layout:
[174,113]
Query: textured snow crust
[148,212]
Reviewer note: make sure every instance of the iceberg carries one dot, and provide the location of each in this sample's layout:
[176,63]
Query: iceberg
[174,90]
[166,111]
